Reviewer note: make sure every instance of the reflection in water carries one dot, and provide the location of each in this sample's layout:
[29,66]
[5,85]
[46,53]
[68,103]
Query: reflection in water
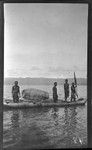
[55,115]
[15,119]
[70,124]
[30,132]
[35,138]
[43,128]
[15,126]
[33,112]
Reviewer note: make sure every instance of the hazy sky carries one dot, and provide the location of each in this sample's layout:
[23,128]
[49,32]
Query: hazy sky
[45,40]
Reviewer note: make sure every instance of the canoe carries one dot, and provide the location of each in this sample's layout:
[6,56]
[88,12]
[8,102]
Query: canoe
[60,103]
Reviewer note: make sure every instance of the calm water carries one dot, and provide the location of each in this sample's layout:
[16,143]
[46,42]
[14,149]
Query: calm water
[45,127]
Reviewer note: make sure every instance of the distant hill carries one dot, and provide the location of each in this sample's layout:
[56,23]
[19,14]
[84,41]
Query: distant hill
[42,81]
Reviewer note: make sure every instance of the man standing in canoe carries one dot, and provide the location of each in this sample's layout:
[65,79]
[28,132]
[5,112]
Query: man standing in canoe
[66,89]
[73,92]
[15,92]
[55,96]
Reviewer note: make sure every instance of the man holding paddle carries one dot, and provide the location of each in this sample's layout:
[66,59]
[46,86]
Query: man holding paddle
[74,89]
[75,83]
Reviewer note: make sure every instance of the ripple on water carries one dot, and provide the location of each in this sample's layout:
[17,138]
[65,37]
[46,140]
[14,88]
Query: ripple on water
[45,127]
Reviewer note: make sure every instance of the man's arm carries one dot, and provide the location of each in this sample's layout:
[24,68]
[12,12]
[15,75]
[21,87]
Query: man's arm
[12,90]
[64,87]
[19,91]
[53,89]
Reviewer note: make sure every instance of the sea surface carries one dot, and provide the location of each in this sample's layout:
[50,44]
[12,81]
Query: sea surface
[38,128]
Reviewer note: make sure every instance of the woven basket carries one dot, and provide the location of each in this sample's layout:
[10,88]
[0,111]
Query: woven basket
[35,95]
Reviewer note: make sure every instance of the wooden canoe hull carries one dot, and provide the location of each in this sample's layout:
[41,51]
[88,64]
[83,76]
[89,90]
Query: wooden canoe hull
[22,105]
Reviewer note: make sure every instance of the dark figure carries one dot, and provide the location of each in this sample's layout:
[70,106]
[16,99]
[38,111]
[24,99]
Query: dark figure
[55,96]
[73,92]
[66,89]
[76,94]
[15,92]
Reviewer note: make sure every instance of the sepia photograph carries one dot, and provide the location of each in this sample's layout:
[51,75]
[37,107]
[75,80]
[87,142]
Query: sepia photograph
[45,76]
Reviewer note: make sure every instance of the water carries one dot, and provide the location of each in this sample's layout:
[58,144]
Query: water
[45,127]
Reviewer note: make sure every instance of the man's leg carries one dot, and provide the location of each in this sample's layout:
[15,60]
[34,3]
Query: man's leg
[56,98]
[71,97]
[65,97]
[74,98]
[17,98]
[14,100]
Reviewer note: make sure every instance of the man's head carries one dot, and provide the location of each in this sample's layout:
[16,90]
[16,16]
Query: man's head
[66,80]
[55,83]
[16,82]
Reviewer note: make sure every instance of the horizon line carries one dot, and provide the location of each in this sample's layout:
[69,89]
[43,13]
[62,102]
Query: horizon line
[46,77]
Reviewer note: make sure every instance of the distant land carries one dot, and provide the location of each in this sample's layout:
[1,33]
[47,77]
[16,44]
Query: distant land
[43,81]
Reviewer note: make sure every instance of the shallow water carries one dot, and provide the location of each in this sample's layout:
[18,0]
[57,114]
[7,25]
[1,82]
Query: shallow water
[45,127]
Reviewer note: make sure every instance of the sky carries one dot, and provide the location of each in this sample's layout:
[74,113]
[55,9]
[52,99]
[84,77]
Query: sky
[45,40]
